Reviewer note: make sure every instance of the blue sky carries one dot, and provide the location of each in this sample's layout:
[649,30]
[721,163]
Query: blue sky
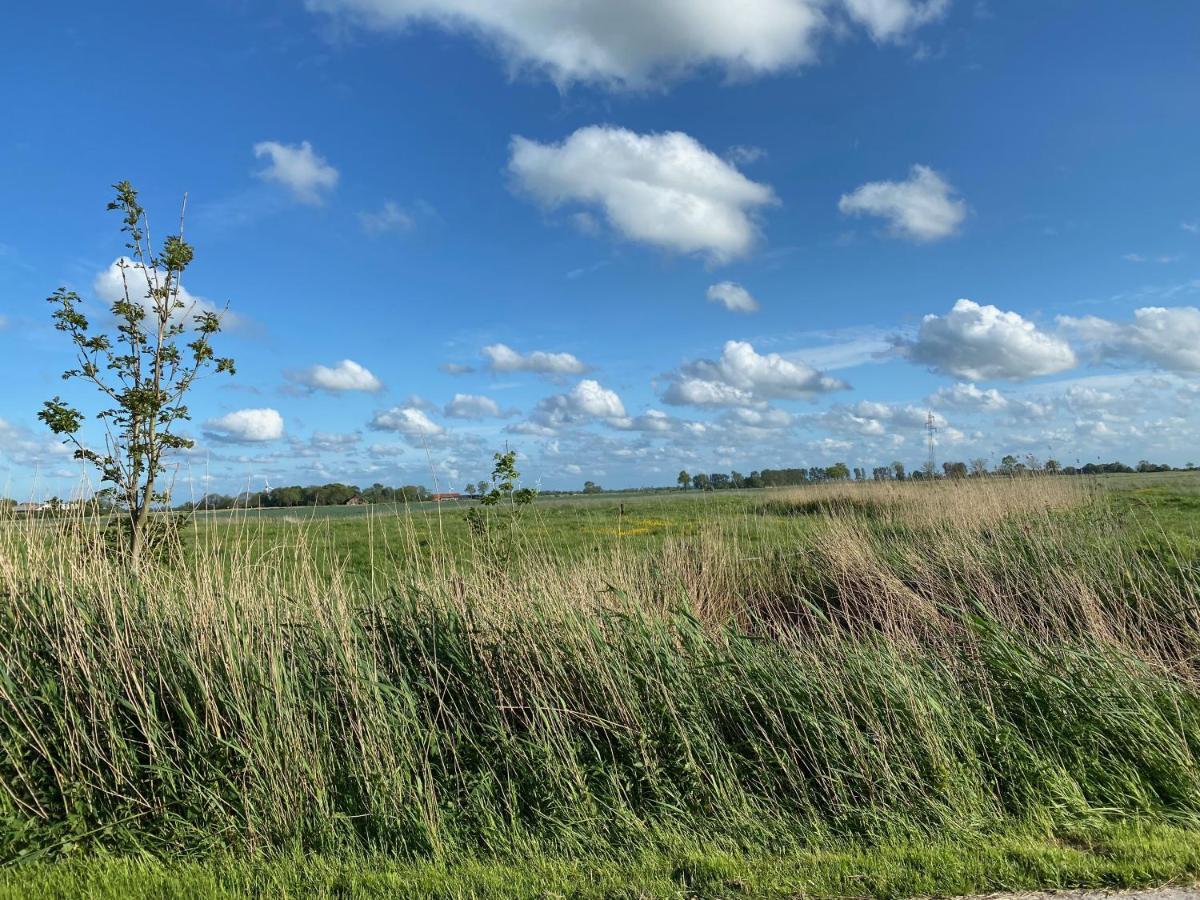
[623,240]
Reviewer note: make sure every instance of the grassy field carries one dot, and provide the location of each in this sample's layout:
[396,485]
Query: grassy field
[840,690]
[367,541]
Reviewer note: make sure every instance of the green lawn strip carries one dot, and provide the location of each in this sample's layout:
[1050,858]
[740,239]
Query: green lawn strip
[1104,856]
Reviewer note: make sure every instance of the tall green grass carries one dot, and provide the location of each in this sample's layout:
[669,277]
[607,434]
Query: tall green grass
[938,661]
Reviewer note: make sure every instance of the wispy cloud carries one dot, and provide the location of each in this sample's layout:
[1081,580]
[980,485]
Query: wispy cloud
[299,168]
[389,218]
[587,270]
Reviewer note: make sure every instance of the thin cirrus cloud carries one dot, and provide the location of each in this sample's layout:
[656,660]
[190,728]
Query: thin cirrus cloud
[346,375]
[330,440]
[246,426]
[306,175]
[1166,337]
[745,377]
[979,342]
[502,358]
[1163,258]
[665,189]
[922,208]
[634,45]
[744,154]
[391,217]
[732,296]
[23,447]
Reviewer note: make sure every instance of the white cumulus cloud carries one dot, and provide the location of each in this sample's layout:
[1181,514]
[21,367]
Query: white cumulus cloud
[743,376]
[869,419]
[652,421]
[685,390]
[923,208]
[109,286]
[471,406]
[298,168]
[246,426]
[732,296]
[408,421]
[502,358]
[1167,337]
[968,397]
[888,20]
[977,343]
[759,418]
[664,189]
[587,400]
[636,45]
[346,375]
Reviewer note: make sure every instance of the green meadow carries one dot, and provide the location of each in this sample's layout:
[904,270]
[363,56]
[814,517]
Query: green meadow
[879,689]
[362,540]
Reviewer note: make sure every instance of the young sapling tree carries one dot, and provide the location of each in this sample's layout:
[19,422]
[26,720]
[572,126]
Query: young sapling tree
[161,345]
[504,498]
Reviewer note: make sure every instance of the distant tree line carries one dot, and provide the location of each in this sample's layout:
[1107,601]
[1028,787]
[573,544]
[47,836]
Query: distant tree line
[896,471]
[720,481]
[334,494]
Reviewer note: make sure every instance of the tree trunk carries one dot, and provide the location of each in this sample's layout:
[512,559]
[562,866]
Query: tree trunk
[135,542]
[137,535]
